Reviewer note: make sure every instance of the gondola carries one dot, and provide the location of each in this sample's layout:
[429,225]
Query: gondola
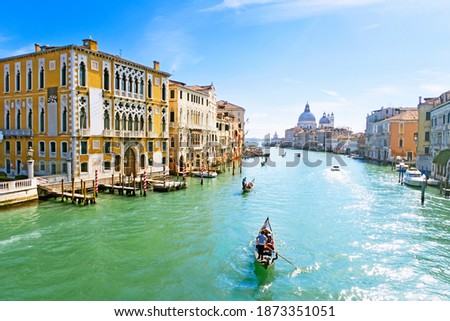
[269,255]
[248,187]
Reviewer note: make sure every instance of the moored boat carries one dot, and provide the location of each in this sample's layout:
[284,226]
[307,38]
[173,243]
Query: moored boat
[402,166]
[413,177]
[247,187]
[204,174]
[433,182]
[335,168]
[265,254]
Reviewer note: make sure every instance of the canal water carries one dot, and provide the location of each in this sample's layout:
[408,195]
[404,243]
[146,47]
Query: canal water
[355,234]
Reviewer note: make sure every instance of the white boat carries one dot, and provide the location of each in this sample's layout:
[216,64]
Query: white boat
[401,165]
[413,177]
[335,168]
[204,174]
[433,182]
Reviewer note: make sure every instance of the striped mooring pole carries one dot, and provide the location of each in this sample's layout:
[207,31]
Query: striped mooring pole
[96,182]
[201,174]
[145,183]
[164,174]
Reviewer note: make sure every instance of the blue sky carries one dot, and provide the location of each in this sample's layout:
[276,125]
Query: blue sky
[269,56]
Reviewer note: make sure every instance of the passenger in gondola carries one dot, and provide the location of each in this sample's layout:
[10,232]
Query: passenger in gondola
[260,243]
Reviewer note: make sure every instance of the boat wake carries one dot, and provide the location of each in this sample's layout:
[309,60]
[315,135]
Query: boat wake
[18,238]
[308,269]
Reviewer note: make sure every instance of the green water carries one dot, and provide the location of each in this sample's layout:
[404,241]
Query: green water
[356,234]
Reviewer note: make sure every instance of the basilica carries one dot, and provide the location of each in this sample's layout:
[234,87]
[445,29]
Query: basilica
[307,120]
[309,134]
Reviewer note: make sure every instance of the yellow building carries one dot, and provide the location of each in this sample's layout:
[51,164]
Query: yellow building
[423,137]
[82,110]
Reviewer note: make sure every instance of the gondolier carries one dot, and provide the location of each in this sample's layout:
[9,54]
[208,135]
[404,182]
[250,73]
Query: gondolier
[265,253]
[261,240]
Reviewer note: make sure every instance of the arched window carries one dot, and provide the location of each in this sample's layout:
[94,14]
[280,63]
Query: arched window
[41,78]
[124,82]
[7,82]
[136,85]
[142,161]
[30,119]
[64,120]
[18,119]
[8,166]
[141,123]
[29,79]
[18,81]
[141,87]
[7,120]
[42,121]
[130,122]
[172,142]
[130,84]
[150,123]
[149,88]
[163,91]
[117,122]
[164,124]
[117,81]
[83,122]
[136,123]
[82,74]
[64,75]
[106,120]
[124,122]
[106,79]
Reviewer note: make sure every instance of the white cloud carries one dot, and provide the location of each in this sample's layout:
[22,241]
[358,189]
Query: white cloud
[334,94]
[371,27]
[236,4]
[275,10]
[435,89]
[294,81]
[259,115]
[16,52]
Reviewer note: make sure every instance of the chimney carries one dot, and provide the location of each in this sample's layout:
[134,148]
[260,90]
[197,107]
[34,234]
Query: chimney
[420,100]
[91,44]
[155,65]
[37,47]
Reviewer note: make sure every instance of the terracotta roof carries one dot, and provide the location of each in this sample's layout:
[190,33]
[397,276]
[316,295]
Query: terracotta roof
[410,115]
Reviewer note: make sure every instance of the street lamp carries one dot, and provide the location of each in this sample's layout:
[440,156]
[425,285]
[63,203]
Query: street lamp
[30,153]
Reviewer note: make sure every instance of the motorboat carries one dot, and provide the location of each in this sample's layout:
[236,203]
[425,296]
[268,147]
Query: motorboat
[204,174]
[433,182]
[401,165]
[335,168]
[413,177]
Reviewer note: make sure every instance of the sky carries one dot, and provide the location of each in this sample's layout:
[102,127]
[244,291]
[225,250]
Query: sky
[271,57]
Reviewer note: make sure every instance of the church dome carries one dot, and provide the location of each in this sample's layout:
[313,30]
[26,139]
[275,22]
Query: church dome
[324,120]
[307,115]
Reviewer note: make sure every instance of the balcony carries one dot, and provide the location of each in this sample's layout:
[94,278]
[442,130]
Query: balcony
[17,132]
[84,132]
[108,133]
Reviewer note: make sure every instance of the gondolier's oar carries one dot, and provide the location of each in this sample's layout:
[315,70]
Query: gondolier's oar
[289,261]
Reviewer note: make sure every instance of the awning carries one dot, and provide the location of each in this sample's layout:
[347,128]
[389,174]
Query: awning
[443,157]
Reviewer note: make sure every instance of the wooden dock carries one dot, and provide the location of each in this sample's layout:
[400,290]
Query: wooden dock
[68,191]
[122,189]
